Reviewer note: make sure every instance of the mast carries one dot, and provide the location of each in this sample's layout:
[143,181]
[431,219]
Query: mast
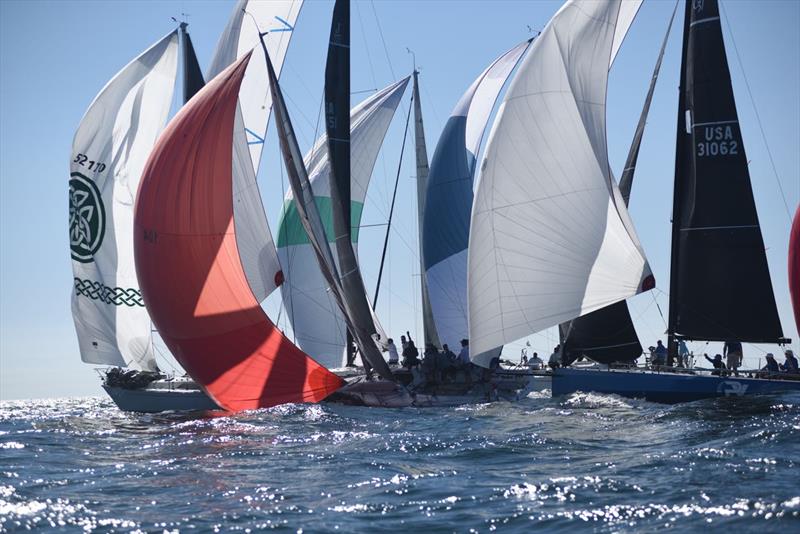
[720,287]
[626,180]
[429,327]
[192,75]
[680,151]
[337,125]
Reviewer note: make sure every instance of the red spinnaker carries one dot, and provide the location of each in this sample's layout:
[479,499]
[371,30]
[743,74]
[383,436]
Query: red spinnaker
[794,266]
[189,269]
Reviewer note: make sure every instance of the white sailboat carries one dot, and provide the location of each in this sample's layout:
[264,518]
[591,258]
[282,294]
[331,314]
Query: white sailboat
[111,145]
[550,236]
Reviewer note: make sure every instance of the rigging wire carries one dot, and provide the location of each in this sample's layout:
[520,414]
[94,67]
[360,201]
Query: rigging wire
[366,46]
[758,117]
[391,209]
[380,31]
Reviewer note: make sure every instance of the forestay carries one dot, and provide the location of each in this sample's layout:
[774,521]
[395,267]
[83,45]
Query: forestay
[550,238]
[448,200]
[316,321]
[240,36]
[109,151]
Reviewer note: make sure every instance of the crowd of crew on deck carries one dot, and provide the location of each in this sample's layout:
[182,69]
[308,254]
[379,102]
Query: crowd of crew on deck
[445,365]
[440,366]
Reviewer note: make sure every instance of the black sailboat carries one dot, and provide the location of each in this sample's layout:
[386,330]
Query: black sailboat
[720,288]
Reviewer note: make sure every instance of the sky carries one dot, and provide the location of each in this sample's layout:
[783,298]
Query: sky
[56,55]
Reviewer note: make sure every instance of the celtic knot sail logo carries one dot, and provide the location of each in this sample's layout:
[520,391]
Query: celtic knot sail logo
[87,218]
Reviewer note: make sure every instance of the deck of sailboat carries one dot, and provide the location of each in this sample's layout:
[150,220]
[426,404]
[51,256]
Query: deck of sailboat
[669,386]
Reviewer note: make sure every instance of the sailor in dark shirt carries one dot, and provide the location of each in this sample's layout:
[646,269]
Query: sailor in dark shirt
[790,365]
[733,353]
[718,365]
[772,365]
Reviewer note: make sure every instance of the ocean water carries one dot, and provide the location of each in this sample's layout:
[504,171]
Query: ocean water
[585,463]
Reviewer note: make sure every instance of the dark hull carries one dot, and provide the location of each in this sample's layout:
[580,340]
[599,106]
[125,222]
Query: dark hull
[668,388]
[160,400]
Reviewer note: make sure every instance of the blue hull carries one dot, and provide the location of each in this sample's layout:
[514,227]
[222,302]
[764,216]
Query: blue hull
[664,387]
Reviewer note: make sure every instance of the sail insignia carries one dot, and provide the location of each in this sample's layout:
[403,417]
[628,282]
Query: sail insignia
[109,152]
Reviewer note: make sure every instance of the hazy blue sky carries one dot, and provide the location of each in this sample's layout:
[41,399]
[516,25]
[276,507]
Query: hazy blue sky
[56,56]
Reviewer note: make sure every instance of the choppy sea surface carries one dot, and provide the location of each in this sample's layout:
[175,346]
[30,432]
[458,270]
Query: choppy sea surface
[586,462]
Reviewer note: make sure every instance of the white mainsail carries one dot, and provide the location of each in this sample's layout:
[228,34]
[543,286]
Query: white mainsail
[316,320]
[109,151]
[241,35]
[550,236]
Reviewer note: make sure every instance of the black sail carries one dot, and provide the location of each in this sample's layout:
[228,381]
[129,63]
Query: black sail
[337,126]
[192,75]
[719,285]
[607,335]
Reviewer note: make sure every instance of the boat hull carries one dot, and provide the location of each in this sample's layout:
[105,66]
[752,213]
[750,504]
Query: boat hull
[668,388]
[159,400]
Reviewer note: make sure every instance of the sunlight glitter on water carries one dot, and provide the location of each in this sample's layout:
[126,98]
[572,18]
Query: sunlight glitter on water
[590,462]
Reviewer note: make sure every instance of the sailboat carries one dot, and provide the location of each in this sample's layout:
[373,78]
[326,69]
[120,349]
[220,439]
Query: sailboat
[109,151]
[718,256]
[550,236]
[111,145]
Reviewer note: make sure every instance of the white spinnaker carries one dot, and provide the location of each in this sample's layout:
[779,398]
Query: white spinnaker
[109,152]
[241,35]
[550,237]
[445,228]
[316,321]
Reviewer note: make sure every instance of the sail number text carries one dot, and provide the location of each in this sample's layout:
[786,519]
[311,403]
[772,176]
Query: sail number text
[717,141]
[84,161]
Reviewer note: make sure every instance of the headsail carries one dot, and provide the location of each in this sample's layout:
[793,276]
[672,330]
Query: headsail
[720,286]
[108,154]
[241,35]
[550,238]
[337,127]
[607,335]
[316,321]
[192,277]
[445,225]
[192,75]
